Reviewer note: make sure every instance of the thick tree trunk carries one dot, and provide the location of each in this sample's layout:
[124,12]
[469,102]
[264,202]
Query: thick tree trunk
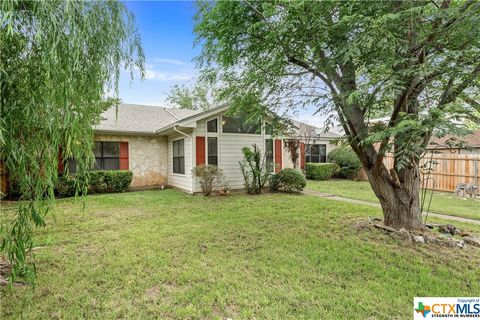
[398,193]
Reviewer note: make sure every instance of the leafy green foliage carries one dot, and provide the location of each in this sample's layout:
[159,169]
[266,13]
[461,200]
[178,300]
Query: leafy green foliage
[288,180]
[198,97]
[254,170]
[58,59]
[108,181]
[320,171]
[348,162]
[211,177]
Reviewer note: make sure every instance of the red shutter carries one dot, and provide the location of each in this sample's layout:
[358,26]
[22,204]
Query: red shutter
[60,161]
[123,155]
[302,155]
[200,151]
[278,155]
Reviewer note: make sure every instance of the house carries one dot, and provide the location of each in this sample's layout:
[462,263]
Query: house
[468,144]
[162,145]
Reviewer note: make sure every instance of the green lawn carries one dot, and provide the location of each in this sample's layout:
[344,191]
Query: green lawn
[168,255]
[442,202]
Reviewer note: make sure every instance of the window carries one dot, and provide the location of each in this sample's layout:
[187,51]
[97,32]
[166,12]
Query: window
[107,155]
[212,150]
[316,153]
[72,165]
[269,154]
[268,128]
[240,124]
[212,125]
[179,156]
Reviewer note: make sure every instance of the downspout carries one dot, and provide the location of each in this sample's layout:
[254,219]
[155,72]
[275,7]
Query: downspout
[182,133]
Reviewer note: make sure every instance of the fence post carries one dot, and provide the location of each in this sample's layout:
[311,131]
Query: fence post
[476,172]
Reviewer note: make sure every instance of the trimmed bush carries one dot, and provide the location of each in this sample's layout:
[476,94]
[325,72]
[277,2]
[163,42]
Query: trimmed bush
[108,181]
[320,171]
[348,162]
[288,180]
[210,177]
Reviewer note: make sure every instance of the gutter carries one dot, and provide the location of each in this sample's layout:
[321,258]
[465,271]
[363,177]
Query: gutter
[127,133]
[182,133]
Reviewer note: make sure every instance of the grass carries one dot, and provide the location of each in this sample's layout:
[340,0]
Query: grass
[168,255]
[442,202]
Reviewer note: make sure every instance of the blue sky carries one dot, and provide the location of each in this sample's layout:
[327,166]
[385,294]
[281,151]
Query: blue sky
[166,29]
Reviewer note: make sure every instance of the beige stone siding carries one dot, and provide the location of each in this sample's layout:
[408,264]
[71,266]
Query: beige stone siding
[147,158]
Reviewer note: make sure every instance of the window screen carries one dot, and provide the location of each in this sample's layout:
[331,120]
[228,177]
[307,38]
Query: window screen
[239,124]
[316,153]
[212,126]
[212,149]
[107,155]
[179,156]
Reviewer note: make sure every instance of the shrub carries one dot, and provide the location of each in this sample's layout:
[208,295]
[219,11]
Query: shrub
[254,170]
[98,182]
[288,180]
[320,171]
[113,181]
[66,186]
[347,160]
[210,176]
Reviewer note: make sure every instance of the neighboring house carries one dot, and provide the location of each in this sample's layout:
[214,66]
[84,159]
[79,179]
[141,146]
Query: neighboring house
[470,144]
[162,145]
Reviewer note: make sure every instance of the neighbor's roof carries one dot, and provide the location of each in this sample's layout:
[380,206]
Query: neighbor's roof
[305,129]
[140,119]
[469,140]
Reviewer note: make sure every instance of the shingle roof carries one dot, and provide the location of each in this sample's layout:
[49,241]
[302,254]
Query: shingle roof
[142,119]
[305,129]
[470,140]
[134,118]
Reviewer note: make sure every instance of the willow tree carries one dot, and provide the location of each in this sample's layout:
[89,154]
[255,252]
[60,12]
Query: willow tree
[415,62]
[58,61]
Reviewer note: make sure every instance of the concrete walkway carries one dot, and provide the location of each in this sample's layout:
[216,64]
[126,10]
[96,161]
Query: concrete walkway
[377,205]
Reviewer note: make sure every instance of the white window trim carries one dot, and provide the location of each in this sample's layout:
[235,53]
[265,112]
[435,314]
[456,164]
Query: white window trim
[214,135]
[319,143]
[184,157]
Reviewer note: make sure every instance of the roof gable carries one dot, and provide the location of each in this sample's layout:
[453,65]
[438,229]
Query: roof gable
[140,119]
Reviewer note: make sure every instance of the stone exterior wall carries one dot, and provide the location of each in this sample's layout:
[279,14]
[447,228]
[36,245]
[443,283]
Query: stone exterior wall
[147,158]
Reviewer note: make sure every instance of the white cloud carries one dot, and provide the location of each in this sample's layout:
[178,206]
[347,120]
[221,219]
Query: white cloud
[151,74]
[170,61]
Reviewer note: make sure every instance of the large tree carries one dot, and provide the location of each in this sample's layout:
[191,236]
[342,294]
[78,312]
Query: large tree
[416,61]
[58,62]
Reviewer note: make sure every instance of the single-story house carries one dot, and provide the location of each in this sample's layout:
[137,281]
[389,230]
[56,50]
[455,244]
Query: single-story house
[162,145]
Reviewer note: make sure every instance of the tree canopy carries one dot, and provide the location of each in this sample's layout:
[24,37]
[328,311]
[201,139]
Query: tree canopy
[60,62]
[416,62]
[195,97]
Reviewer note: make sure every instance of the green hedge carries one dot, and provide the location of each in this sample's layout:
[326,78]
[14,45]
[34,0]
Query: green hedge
[288,180]
[320,171]
[347,160]
[108,181]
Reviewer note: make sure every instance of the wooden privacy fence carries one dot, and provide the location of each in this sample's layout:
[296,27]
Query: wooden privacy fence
[447,170]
